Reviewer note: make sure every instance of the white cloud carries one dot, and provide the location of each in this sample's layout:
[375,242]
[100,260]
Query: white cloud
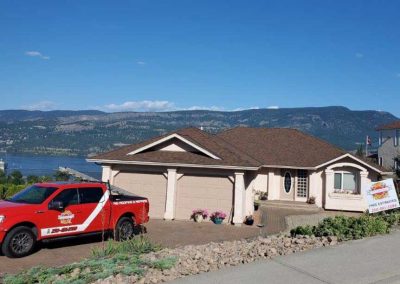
[140,62]
[214,108]
[359,55]
[398,75]
[42,105]
[273,107]
[37,54]
[141,106]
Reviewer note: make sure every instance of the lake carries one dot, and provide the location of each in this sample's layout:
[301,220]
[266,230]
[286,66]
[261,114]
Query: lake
[47,165]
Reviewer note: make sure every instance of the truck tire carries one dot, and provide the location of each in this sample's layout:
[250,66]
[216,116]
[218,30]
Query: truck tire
[19,242]
[125,229]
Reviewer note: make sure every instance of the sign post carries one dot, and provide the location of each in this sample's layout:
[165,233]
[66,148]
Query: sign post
[381,196]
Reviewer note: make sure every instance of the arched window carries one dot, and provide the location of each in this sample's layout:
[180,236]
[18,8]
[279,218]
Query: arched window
[287,182]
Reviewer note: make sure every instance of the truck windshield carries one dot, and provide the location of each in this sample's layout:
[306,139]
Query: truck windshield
[33,195]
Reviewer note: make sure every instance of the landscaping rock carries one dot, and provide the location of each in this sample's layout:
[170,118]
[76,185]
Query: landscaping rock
[191,260]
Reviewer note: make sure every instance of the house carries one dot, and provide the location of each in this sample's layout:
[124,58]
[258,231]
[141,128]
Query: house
[190,169]
[389,148]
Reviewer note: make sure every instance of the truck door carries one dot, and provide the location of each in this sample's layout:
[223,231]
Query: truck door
[95,206]
[64,215]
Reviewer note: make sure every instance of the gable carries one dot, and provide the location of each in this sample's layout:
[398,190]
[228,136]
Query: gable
[174,143]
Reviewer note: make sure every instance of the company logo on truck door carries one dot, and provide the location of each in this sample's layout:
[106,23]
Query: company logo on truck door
[66,217]
[81,227]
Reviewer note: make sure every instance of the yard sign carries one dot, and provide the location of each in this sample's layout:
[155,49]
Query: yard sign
[381,196]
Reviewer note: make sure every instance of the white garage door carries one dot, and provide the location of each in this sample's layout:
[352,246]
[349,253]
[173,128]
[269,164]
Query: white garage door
[205,192]
[150,185]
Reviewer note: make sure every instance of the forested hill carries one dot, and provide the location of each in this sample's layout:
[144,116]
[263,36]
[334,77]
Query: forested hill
[87,132]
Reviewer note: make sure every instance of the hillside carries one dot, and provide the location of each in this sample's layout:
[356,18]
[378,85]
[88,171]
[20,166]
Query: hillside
[88,132]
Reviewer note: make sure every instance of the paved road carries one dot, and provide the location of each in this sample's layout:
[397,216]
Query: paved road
[373,260]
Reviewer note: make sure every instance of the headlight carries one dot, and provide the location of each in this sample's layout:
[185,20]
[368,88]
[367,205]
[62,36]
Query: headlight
[2,218]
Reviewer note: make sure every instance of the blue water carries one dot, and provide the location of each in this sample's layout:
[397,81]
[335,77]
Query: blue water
[47,165]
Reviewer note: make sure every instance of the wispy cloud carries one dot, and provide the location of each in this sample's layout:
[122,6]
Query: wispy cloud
[273,107]
[38,54]
[359,55]
[42,105]
[398,75]
[140,62]
[148,105]
[140,106]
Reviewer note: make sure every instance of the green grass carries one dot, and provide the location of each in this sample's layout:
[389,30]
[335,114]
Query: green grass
[112,259]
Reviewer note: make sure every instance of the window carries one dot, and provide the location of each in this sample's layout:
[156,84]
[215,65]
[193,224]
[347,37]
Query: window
[90,195]
[287,182]
[345,182]
[380,161]
[302,183]
[33,195]
[67,197]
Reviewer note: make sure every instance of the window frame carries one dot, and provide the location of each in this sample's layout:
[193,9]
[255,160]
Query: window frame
[356,190]
[302,183]
[284,182]
[83,189]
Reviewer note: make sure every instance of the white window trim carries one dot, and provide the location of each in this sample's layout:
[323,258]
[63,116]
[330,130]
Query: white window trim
[291,182]
[298,198]
[341,186]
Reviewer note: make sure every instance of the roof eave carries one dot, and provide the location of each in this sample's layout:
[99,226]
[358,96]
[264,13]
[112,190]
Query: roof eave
[144,163]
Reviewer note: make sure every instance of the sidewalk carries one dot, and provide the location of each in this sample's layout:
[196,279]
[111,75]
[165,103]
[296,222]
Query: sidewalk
[372,260]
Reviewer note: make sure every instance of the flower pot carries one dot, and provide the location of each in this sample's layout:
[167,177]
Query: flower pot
[198,218]
[249,222]
[218,221]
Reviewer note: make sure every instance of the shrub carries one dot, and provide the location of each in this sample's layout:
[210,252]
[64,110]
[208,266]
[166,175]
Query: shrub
[350,228]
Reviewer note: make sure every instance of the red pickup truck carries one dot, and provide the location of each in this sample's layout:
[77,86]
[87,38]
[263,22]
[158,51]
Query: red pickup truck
[47,211]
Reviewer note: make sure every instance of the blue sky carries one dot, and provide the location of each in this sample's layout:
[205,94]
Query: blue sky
[164,55]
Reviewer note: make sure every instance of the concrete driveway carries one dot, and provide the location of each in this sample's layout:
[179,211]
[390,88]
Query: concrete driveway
[165,233]
[372,260]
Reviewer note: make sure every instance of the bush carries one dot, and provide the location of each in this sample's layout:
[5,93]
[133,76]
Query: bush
[115,258]
[351,228]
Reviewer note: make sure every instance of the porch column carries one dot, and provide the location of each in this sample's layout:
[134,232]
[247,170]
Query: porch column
[171,192]
[240,199]
[329,187]
[106,173]
[363,182]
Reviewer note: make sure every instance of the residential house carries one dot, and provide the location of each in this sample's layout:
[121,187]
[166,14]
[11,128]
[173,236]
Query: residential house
[389,148]
[191,168]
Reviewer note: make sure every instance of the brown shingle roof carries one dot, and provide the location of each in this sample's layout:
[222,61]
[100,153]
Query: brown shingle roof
[282,146]
[217,146]
[390,126]
[241,147]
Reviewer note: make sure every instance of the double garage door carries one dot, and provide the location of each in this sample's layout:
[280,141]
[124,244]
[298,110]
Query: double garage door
[206,192]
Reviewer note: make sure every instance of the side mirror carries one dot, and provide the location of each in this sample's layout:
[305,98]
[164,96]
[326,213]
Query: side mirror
[56,205]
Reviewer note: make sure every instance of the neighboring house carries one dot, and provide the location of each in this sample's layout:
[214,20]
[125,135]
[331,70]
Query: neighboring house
[190,169]
[389,148]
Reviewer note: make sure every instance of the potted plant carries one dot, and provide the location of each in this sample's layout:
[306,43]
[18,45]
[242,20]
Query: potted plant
[311,200]
[256,205]
[198,215]
[217,217]
[249,220]
[264,196]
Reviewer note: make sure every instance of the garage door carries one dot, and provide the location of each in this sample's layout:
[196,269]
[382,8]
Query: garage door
[150,185]
[212,193]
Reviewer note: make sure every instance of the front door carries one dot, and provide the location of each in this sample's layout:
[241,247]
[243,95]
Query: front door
[287,185]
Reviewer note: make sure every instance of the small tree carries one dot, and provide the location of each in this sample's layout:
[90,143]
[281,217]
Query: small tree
[45,178]
[61,176]
[16,178]
[32,179]
[3,177]
[360,151]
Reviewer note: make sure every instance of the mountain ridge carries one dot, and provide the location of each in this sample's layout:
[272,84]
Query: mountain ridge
[84,132]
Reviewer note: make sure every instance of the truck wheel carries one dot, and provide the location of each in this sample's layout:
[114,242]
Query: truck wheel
[19,242]
[125,229]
